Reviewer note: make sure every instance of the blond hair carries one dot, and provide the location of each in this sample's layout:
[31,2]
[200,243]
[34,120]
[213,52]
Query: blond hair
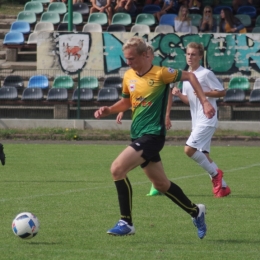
[197,46]
[139,43]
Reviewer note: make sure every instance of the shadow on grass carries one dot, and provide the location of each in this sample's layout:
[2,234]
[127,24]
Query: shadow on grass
[44,243]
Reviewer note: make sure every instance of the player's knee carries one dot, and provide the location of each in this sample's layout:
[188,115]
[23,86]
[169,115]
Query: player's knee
[116,171]
[161,186]
[189,151]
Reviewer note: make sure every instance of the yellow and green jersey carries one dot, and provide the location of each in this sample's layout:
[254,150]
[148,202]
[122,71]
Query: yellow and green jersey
[149,96]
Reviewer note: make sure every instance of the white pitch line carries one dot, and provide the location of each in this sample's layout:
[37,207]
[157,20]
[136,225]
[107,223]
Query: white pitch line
[104,187]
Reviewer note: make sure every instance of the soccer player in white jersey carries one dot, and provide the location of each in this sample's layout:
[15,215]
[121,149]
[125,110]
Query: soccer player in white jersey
[198,144]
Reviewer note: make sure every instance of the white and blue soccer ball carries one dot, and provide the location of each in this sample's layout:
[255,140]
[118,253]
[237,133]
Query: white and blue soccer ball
[25,225]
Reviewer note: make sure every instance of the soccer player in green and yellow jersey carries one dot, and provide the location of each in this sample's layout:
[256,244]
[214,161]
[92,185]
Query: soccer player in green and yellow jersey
[145,91]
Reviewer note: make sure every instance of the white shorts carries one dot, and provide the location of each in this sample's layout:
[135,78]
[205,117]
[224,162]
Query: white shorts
[200,138]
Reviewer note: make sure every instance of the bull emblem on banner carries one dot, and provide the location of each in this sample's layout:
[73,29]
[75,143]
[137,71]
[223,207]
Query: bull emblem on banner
[73,51]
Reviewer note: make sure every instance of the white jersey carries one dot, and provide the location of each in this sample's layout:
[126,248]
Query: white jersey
[208,82]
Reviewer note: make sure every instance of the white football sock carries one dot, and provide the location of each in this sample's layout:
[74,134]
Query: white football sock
[224,184]
[203,161]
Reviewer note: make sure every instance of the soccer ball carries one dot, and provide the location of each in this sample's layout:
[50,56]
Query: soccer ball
[25,225]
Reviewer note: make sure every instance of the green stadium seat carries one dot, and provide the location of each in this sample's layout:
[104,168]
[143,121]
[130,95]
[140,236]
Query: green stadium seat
[100,18]
[34,6]
[27,16]
[52,17]
[257,21]
[89,82]
[245,19]
[195,19]
[42,1]
[147,19]
[122,18]
[256,29]
[63,81]
[238,82]
[77,18]
[58,7]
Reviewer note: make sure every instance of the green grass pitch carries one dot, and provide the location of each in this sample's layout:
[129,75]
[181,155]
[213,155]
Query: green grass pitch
[69,188]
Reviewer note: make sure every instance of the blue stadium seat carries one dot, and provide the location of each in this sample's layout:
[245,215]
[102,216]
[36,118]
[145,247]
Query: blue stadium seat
[168,19]
[217,9]
[249,10]
[21,26]
[38,81]
[14,37]
[151,9]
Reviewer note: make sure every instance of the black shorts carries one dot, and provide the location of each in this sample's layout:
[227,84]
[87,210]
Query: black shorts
[151,146]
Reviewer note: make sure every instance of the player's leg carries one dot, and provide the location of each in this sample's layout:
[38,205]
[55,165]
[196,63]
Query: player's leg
[2,154]
[197,145]
[155,172]
[225,190]
[126,161]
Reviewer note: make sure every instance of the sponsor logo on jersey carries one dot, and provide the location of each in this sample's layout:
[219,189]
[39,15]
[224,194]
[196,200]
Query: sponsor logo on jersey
[150,82]
[171,70]
[132,87]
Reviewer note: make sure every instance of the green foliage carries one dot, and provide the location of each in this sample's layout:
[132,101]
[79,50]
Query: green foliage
[70,190]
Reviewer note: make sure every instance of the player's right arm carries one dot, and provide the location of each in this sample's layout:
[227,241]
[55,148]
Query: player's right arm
[120,106]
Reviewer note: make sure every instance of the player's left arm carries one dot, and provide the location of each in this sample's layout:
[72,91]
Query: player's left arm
[168,123]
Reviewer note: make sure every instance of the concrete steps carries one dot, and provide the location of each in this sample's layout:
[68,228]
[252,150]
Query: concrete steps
[29,65]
